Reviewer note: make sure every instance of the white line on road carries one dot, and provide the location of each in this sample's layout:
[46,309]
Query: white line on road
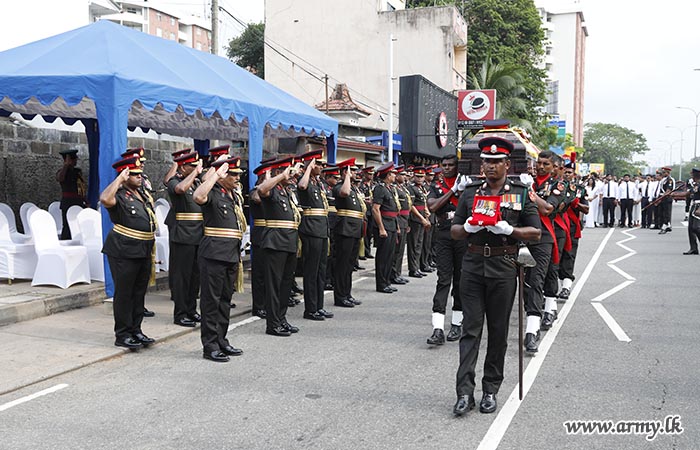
[19,401]
[612,324]
[500,425]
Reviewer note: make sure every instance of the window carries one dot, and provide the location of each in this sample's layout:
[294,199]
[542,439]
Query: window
[199,46]
[159,17]
[172,36]
[159,32]
[197,31]
[172,21]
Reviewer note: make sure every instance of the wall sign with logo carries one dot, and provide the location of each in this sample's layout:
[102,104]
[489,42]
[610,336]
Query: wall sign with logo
[441,130]
[474,107]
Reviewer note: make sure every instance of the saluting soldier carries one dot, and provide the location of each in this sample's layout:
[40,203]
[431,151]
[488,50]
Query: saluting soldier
[184,223]
[442,202]
[367,187]
[331,177]
[73,187]
[313,232]
[129,249]
[694,212]
[489,272]
[219,254]
[573,210]
[402,224]
[385,209]
[279,244]
[418,222]
[257,272]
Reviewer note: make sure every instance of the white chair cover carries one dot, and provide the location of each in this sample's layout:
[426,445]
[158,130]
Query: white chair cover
[55,211]
[17,237]
[57,265]
[72,218]
[90,224]
[163,201]
[162,236]
[24,211]
[16,260]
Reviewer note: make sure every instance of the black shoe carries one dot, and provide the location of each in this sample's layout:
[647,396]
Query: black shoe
[296,289]
[393,288]
[362,258]
[398,280]
[369,256]
[289,327]
[344,303]
[691,252]
[185,322]
[216,356]
[455,333]
[464,403]
[291,303]
[488,403]
[663,231]
[195,318]
[531,343]
[437,338]
[260,313]
[326,314]
[354,301]
[386,290]
[129,342]
[314,316]
[147,313]
[427,269]
[277,331]
[404,279]
[564,294]
[416,274]
[359,267]
[231,350]
[232,305]
[547,320]
[328,287]
[144,340]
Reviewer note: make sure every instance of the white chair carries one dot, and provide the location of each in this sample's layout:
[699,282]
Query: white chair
[162,236]
[57,265]
[72,218]
[55,211]
[16,260]
[16,236]
[24,211]
[90,223]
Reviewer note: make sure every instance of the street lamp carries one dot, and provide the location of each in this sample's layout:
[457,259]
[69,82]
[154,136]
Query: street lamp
[670,149]
[697,113]
[680,164]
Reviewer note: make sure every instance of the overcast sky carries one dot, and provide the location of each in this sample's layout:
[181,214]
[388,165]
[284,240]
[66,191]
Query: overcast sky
[640,58]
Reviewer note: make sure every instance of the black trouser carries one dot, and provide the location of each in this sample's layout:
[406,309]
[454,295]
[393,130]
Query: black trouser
[315,255]
[330,261]
[427,250]
[66,203]
[347,247]
[399,251]
[665,216]
[551,281]
[218,278]
[184,279]
[535,276]
[608,211]
[647,214]
[384,259]
[369,230]
[568,259]
[449,254]
[656,211]
[415,246]
[493,298]
[693,231]
[257,278]
[626,205]
[279,277]
[130,283]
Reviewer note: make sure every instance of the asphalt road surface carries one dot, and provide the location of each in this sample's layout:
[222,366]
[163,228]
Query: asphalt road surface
[624,349]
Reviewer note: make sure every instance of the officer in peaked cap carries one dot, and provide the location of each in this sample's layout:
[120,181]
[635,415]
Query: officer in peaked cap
[666,185]
[419,222]
[73,187]
[385,209]
[402,222]
[129,250]
[330,178]
[366,187]
[694,212]
[256,233]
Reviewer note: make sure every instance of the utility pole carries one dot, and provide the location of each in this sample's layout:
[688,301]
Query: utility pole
[390,146]
[325,78]
[214,27]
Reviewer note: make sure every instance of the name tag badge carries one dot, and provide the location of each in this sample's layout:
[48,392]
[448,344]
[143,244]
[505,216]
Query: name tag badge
[517,207]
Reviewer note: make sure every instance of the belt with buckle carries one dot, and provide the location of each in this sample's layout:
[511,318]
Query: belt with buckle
[223,233]
[488,251]
[351,213]
[189,216]
[315,212]
[134,234]
[258,222]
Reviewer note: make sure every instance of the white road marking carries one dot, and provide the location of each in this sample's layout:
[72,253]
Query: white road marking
[684,223]
[612,324]
[500,425]
[19,401]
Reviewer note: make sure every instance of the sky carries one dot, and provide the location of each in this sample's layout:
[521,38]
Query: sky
[640,58]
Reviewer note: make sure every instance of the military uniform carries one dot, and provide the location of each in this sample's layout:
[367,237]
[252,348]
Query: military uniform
[426,254]
[73,190]
[667,184]
[402,223]
[332,219]
[572,214]
[366,188]
[257,272]
[387,198]
[694,216]
[417,231]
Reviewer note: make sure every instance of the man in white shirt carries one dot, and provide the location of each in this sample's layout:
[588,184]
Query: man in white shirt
[609,191]
[625,197]
[646,190]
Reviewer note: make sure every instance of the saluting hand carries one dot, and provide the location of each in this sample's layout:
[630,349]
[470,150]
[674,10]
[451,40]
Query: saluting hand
[124,175]
[199,168]
[222,171]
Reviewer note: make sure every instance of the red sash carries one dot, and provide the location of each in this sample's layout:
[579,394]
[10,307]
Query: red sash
[563,222]
[449,183]
[550,228]
[575,221]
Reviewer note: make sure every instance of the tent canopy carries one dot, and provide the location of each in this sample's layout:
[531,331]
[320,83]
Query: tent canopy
[122,78]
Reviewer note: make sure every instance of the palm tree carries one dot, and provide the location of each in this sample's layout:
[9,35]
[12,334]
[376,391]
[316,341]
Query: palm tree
[510,93]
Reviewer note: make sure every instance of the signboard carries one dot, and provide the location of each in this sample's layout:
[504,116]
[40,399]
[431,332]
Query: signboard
[561,127]
[475,106]
[384,140]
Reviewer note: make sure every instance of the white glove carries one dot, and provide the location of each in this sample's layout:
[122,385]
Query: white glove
[450,215]
[526,178]
[469,228]
[501,227]
[460,183]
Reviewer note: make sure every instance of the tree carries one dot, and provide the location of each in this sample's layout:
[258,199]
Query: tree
[508,82]
[615,146]
[248,49]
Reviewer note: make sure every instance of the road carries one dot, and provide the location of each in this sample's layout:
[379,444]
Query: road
[367,380]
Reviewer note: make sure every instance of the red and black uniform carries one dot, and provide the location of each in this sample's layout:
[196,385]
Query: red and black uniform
[402,222]
[257,272]
[387,197]
[417,232]
[347,232]
[313,232]
[562,238]
[575,195]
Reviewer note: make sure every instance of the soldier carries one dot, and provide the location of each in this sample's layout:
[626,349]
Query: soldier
[418,222]
[427,249]
[219,254]
[385,209]
[331,177]
[313,231]
[366,187]
[689,185]
[184,223]
[347,233]
[442,203]
[489,272]
[402,224]
[129,250]
[257,272]
[646,190]
[73,187]
[666,186]
[694,212]
[279,244]
[577,206]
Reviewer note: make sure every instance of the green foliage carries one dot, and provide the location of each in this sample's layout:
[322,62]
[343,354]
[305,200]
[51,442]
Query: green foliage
[248,49]
[508,82]
[615,146]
